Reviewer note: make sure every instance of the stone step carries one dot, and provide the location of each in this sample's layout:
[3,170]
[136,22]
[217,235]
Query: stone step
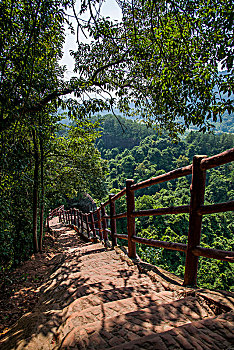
[76,282]
[107,296]
[216,333]
[131,326]
[64,294]
[76,278]
[90,259]
[75,316]
[90,248]
[76,290]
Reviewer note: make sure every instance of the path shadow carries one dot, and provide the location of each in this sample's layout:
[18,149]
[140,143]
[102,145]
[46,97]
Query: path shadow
[67,283]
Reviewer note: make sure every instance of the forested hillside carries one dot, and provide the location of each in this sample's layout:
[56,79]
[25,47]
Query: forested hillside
[120,133]
[154,155]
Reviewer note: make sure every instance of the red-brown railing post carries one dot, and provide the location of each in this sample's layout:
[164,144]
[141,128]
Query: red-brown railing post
[112,221]
[197,190]
[77,218]
[74,216]
[48,220]
[104,224]
[87,224]
[68,216]
[130,220]
[99,223]
[92,224]
[81,222]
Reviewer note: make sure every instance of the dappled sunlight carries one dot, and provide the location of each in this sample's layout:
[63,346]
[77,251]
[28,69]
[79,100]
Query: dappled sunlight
[96,298]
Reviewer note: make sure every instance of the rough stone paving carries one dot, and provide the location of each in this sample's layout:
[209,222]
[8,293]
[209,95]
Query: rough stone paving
[97,298]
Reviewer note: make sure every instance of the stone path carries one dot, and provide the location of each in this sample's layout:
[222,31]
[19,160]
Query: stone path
[96,298]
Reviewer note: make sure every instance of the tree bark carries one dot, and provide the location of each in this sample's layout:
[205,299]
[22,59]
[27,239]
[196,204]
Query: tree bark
[35,191]
[42,193]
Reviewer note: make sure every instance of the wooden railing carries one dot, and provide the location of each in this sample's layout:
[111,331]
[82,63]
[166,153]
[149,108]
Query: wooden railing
[96,222]
[55,212]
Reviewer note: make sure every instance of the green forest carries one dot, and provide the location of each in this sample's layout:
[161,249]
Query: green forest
[96,157]
[140,153]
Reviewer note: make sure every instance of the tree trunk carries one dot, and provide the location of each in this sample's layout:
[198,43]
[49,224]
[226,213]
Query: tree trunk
[42,195]
[35,191]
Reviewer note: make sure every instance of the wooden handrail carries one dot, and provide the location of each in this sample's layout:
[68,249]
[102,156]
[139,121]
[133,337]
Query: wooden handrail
[218,159]
[119,194]
[216,208]
[121,236]
[120,215]
[105,204]
[161,244]
[196,210]
[174,174]
[54,212]
[116,216]
[224,255]
[115,197]
[162,211]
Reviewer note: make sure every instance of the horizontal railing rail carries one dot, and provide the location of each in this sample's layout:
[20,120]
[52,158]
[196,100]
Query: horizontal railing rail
[218,159]
[161,244]
[55,212]
[162,211]
[96,222]
[174,174]
[52,213]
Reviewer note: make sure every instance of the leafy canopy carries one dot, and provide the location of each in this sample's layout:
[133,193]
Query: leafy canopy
[161,61]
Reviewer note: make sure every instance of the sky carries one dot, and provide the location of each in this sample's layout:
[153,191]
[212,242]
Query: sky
[109,8]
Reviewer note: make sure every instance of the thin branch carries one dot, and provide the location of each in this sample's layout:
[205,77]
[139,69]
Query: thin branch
[107,92]
[108,65]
